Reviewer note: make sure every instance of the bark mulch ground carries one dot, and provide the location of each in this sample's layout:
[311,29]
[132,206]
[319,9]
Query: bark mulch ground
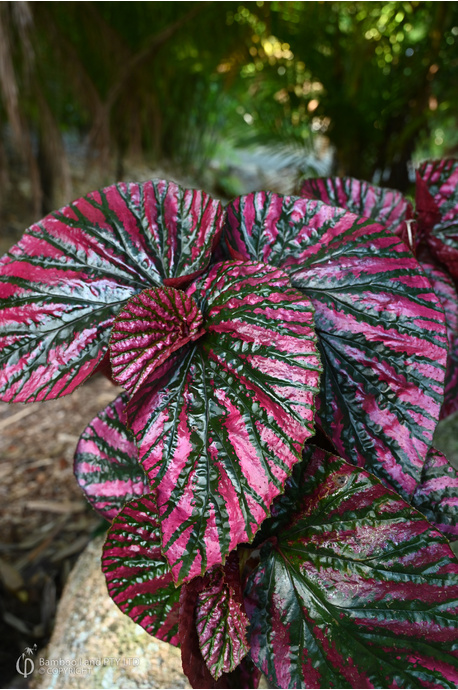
[45,521]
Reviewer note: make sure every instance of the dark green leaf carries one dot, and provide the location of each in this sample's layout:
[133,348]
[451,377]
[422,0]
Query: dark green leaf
[358,590]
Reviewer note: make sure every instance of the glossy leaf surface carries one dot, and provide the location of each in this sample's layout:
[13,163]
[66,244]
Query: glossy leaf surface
[445,290]
[106,462]
[64,282]
[438,213]
[221,620]
[150,328]
[138,577]
[358,590]
[192,660]
[220,431]
[437,494]
[192,593]
[386,206]
[441,177]
[380,327]
[450,404]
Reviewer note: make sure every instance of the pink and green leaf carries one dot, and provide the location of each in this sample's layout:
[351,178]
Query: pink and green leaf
[437,207]
[194,666]
[64,282]
[437,494]
[386,206]
[381,329]
[212,623]
[445,290]
[441,178]
[358,590]
[148,330]
[221,620]
[450,404]
[137,575]
[106,462]
[220,430]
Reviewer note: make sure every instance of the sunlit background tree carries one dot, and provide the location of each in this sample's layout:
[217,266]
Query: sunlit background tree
[233,96]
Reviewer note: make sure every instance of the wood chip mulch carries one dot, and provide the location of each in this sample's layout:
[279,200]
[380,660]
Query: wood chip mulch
[45,521]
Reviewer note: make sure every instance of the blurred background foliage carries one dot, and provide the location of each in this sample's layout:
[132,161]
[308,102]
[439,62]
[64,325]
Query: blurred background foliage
[231,96]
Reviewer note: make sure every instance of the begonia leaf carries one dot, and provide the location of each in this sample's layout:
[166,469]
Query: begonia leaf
[106,462]
[380,327]
[386,206]
[445,290]
[441,178]
[358,590]
[221,621]
[213,628]
[437,207]
[220,430]
[64,282]
[437,494]
[450,404]
[137,575]
[427,211]
[194,666]
[245,674]
[151,326]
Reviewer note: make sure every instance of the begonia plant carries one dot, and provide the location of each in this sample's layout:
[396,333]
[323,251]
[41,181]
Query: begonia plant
[276,502]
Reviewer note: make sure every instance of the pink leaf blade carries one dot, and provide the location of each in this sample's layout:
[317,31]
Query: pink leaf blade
[437,205]
[444,288]
[106,463]
[437,494]
[64,282]
[386,206]
[149,329]
[381,329]
[220,432]
[243,675]
[138,577]
[221,621]
[450,404]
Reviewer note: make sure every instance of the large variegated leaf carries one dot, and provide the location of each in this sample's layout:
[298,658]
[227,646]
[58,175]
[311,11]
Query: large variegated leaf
[386,206]
[220,430]
[221,621]
[380,327]
[63,283]
[437,494]
[357,591]
[106,462]
[437,207]
[148,330]
[138,577]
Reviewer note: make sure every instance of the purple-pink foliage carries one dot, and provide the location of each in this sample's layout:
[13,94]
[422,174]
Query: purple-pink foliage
[276,503]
